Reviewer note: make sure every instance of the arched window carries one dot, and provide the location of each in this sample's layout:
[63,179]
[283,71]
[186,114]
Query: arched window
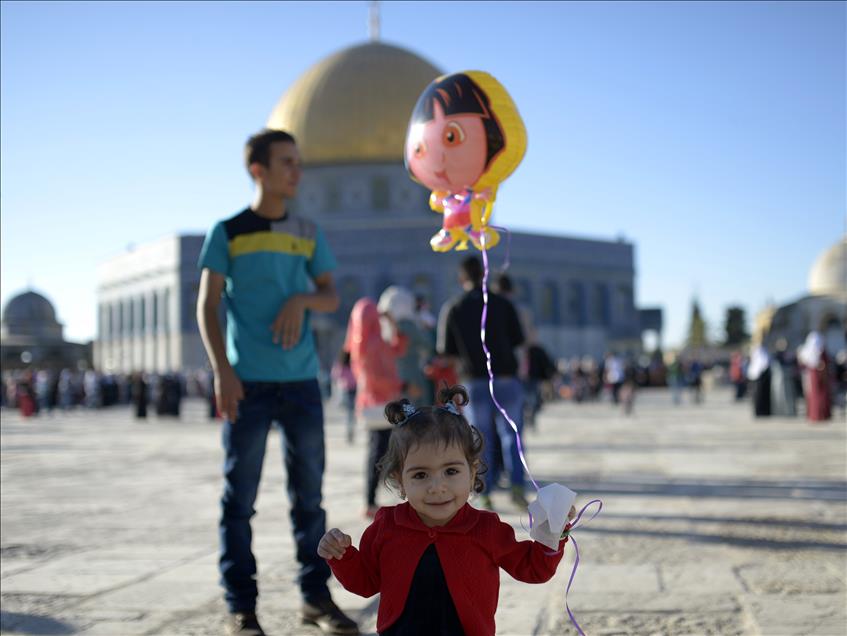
[112,310]
[166,311]
[130,317]
[120,318]
[549,304]
[142,315]
[625,305]
[333,196]
[189,307]
[355,195]
[601,306]
[380,193]
[155,312]
[577,310]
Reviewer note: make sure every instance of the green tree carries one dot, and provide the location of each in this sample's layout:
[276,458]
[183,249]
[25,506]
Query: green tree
[736,326]
[697,328]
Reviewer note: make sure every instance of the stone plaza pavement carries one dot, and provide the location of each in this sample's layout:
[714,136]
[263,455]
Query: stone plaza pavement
[713,523]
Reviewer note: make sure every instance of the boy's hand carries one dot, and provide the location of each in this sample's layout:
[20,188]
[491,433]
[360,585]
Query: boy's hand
[288,323]
[228,392]
[333,544]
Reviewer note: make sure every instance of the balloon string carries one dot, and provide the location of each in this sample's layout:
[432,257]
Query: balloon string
[578,519]
[488,362]
[576,560]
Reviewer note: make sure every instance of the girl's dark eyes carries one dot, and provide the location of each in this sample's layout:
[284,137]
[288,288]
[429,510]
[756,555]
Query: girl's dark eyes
[449,471]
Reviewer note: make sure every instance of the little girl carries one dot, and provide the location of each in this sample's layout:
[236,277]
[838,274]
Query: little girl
[435,559]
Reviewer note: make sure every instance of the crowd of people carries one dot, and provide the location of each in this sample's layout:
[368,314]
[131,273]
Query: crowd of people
[37,392]
[778,378]
[776,382]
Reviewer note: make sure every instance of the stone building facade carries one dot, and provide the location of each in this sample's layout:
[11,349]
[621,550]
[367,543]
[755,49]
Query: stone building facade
[350,133]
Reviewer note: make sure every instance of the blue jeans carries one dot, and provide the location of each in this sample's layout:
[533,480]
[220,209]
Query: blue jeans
[488,419]
[297,408]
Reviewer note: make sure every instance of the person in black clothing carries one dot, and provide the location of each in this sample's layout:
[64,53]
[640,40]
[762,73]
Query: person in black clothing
[759,372]
[139,395]
[459,337]
[540,368]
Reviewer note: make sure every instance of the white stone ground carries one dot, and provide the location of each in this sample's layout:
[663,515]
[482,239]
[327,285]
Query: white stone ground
[713,523]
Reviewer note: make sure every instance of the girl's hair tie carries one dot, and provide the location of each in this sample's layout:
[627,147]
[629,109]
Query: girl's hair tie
[451,408]
[409,411]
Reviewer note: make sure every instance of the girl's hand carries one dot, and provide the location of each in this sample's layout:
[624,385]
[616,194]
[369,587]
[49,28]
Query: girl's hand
[571,514]
[333,544]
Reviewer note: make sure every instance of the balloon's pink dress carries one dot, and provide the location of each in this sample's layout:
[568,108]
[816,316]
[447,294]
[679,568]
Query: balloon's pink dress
[457,211]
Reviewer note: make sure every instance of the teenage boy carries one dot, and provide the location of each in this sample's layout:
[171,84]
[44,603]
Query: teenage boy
[273,268]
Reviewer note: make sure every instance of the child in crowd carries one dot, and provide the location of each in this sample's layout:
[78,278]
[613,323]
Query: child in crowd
[374,364]
[434,559]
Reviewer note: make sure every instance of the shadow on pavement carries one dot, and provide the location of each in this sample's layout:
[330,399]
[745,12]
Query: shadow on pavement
[15,623]
[742,521]
[723,539]
[732,489]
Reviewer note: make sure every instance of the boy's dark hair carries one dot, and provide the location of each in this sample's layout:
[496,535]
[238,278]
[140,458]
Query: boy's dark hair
[431,425]
[458,94]
[258,147]
[471,267]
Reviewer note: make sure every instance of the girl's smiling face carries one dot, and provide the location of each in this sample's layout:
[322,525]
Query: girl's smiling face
[437,480]
[447,152]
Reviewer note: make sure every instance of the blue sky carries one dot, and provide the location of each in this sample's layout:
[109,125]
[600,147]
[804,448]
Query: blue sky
[712,135]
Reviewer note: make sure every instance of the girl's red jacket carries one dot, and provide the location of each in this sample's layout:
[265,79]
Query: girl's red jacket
[471,548]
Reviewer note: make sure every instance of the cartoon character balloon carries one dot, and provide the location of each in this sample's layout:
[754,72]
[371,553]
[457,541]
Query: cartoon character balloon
[464,138]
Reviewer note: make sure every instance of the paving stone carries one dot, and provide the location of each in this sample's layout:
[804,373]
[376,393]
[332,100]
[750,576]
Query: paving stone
[818,614]
[713,523]
[696,576]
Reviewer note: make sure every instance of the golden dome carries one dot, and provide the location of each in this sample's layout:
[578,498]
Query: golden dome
[354,106]
[829,273]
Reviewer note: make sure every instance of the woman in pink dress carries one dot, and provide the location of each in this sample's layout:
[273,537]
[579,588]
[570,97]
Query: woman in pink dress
[816,378]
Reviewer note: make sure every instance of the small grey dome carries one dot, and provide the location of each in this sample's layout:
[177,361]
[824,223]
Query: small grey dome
[30,314]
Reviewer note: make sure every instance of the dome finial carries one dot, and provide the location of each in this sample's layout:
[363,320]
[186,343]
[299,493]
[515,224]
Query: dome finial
[373,21]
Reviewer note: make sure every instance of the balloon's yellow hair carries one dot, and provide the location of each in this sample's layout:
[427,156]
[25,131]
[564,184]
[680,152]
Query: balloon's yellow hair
[503,109]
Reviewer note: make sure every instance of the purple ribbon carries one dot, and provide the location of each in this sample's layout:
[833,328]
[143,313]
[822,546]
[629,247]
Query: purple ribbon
[576,560]
[488,359]
[514,426]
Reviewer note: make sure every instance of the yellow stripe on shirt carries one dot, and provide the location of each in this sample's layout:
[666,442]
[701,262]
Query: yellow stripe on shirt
[271,242]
